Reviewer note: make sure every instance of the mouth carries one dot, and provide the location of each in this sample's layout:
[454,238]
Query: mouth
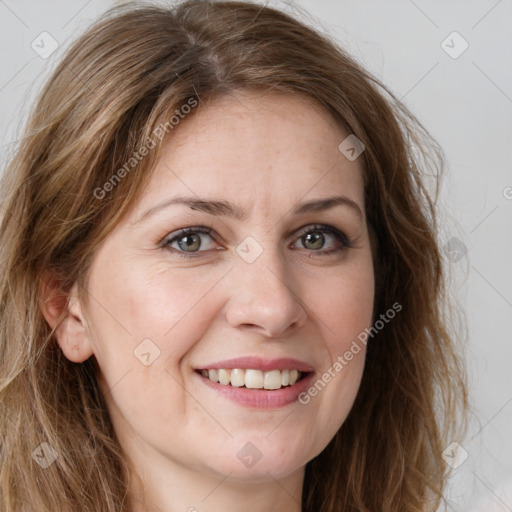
[268,389]
[254,378]
[255,382]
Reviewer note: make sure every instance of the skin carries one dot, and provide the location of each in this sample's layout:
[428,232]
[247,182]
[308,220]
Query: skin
[266,153]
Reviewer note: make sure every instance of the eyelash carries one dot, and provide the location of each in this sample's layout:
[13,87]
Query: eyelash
[342,237]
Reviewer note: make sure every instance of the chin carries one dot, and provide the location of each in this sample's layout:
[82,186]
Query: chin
[250,464]
[261,471]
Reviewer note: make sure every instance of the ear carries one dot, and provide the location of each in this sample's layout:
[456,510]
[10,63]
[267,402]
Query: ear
[63,313]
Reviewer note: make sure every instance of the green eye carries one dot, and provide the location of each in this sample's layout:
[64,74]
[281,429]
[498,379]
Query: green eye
[187,242]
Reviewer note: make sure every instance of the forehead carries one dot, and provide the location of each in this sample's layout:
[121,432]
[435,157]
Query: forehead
[273,148]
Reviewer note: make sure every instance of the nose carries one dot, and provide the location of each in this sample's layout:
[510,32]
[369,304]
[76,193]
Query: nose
[264,297]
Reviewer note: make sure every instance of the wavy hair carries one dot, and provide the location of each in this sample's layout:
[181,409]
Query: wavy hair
[127,74]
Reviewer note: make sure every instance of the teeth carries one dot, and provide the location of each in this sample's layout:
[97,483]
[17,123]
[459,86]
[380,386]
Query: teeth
[224,376]
[253,379]
[272,380]
[237,378]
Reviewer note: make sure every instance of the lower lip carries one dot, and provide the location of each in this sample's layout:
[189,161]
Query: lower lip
[261,398]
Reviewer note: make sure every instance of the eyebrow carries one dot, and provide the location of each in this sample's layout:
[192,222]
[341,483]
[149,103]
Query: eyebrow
[225,208]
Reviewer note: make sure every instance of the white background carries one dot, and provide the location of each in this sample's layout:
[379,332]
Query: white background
[466,103]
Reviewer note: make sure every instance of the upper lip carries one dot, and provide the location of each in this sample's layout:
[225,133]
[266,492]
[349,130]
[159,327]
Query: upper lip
[259,363]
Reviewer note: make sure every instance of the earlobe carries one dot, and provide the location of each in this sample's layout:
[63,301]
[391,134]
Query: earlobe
[63,314]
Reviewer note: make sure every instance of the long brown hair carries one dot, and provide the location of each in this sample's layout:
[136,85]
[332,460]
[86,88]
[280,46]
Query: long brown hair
[127,75]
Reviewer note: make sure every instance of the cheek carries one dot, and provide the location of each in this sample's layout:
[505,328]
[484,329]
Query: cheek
[345,309]
[346,305]
[144,322]
[134,303]
[346,316]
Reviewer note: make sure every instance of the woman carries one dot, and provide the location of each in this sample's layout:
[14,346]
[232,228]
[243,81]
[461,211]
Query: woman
[222,287]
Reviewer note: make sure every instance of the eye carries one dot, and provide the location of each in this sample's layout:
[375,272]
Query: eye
[313,238]
[188,240]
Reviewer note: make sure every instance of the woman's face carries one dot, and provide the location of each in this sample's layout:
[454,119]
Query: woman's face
[263,281]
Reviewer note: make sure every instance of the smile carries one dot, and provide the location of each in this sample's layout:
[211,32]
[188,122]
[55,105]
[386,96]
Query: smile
[257,382]
[254,378]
